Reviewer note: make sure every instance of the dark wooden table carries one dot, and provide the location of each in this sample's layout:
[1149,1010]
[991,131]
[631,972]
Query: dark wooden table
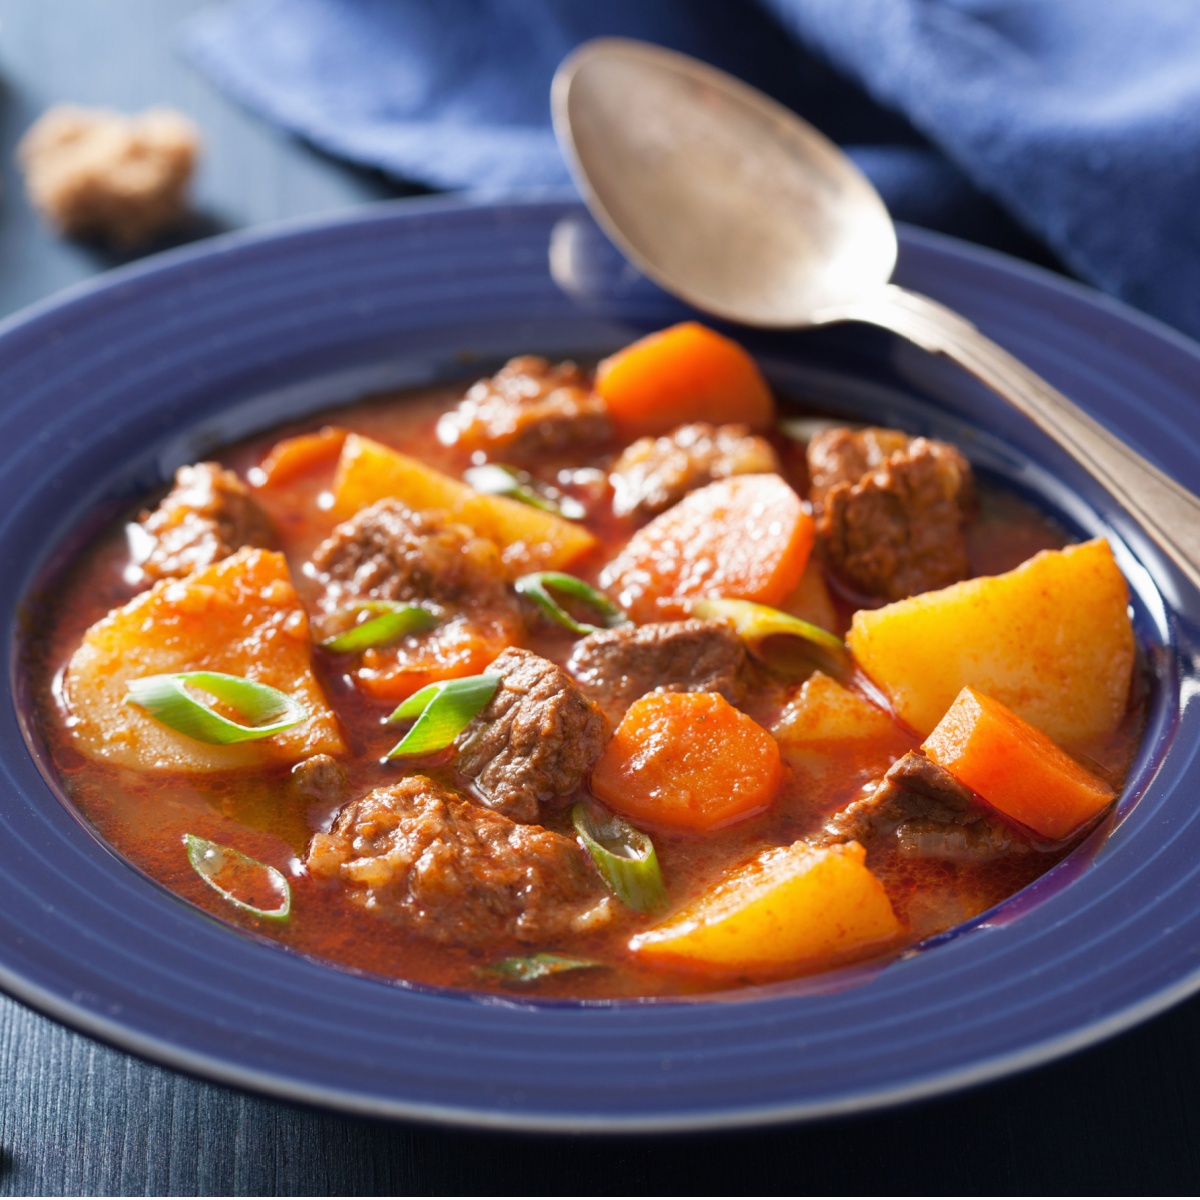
[78,1117]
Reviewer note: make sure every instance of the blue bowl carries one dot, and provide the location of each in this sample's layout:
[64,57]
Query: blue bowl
[108,388]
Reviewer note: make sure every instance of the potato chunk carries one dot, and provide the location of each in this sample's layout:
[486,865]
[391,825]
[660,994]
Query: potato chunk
[796,906]
[828,733]
[529,539]
[824,711]
[241,616]
[1051,639]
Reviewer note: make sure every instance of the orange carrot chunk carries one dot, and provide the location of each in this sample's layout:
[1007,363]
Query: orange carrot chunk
[1015,767]
[745,538]
[683,374]
[688,762]
[297,455]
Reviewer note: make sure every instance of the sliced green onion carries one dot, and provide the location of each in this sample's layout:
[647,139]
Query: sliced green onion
[536,587]
[536,966]
[756,622]
[443,710]
[395,621]
[245,882]
[623,855]
[499,479]
[265,710]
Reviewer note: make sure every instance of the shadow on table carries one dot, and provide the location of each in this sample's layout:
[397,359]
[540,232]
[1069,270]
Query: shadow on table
[197,227]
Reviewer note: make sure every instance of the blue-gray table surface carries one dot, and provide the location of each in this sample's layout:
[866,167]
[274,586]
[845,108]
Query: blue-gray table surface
[78,1117]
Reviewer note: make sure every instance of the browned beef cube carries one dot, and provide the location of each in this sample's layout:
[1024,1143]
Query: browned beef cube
[207,516]
[616,666]
[528,408]
[452,871]
[535,741]
[320,778]
[838,455]
[897,528]
[654,473]
[389,552]
[930,813]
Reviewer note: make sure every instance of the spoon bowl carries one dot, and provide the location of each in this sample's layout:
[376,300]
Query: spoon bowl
[716,192]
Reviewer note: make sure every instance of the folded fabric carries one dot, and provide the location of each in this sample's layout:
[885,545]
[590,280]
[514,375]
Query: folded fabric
[1076,119]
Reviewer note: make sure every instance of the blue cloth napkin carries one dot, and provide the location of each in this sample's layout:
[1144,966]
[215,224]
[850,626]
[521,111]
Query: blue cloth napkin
[1074,121]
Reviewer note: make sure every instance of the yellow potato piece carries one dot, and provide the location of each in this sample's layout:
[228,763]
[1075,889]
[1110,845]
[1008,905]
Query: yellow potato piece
[824,711]
[828,732]
[240,616]
[1051,639]
[797,906]
[529,539]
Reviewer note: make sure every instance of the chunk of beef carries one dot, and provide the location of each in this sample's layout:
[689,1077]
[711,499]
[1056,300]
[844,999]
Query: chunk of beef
[389,552]
[207,516]
[452,871]
[839,455]
[616,666]
[654,473]
[890,510]
[528,408]
[535,741]
[320,778]
[930,813]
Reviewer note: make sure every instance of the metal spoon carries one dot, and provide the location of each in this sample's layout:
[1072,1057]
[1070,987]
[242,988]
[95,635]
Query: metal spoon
[733,203]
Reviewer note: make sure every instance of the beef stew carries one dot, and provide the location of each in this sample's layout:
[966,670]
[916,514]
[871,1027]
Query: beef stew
[673,704]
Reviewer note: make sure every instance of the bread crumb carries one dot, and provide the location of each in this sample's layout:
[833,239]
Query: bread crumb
[94,173]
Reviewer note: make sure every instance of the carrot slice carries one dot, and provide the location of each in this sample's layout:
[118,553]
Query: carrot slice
[683,374]
[745,538]
[792,906]
[1015,767]
[687,761]
[296,455]
[453,651]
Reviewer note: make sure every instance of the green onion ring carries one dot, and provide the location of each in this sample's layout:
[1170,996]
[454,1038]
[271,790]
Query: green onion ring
[443,710]
[755,623]
[394,622]
[499,479]
[623,855]
[166,698]
[536,587]
[535,967]
[211,860]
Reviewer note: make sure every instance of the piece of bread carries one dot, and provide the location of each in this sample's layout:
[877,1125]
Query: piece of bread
[102,175]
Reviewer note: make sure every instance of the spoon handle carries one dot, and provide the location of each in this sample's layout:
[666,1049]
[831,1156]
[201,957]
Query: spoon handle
[1168,512]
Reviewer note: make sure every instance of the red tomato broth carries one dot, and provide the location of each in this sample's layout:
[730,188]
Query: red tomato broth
[146,816]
